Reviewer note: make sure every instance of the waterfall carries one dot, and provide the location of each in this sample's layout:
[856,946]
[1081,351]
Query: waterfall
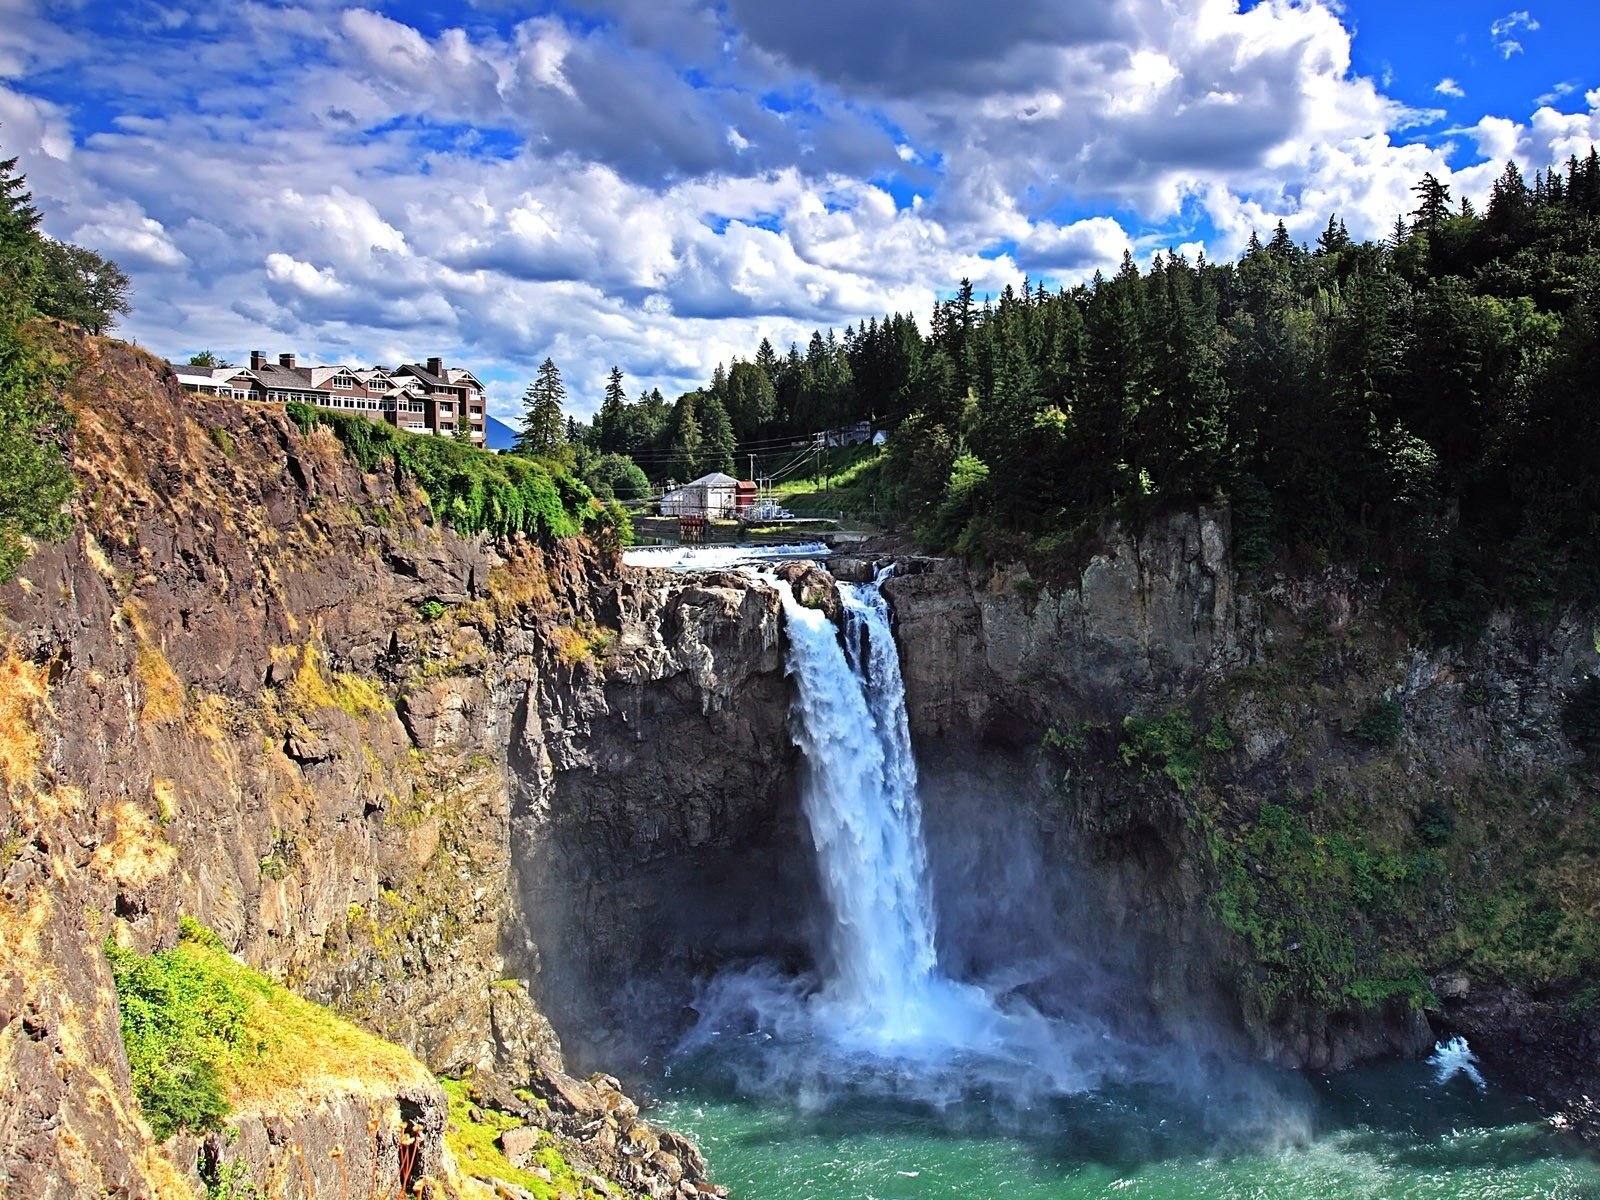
[882,1015]
[860,799]
[884,993]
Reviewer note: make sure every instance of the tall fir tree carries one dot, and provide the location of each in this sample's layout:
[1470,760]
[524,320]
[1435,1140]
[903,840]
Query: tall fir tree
[543,422]
[611,420]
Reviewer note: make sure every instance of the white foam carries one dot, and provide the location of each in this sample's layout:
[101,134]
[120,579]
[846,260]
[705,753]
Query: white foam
[1453,1058]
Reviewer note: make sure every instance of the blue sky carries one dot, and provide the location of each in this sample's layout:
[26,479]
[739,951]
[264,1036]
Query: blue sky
[661,183]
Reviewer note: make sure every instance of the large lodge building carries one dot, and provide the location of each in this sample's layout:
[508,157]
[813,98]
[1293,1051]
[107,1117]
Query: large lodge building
[417,397]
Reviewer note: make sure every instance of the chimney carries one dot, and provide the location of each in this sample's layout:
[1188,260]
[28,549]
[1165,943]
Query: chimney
[286,360]
[257,360]
[436,366]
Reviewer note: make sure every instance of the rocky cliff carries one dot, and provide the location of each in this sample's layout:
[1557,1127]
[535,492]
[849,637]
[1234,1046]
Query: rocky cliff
[1306,822]
[432,781]
[504,803]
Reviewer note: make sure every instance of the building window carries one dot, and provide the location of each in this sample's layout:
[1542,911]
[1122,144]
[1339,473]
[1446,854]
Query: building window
[343,382]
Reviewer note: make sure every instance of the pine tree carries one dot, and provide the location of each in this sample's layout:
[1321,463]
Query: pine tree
[717,442]
[543,422]
[1433,207]
[1333,239]
[611,418]
[684,440]
[19,230]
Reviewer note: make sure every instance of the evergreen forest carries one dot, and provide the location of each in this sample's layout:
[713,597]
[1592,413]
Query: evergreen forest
[1428,405]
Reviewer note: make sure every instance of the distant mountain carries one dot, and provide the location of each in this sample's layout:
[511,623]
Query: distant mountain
[498,434]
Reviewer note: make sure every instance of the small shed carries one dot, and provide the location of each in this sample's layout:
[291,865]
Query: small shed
[745,497]
[714,496]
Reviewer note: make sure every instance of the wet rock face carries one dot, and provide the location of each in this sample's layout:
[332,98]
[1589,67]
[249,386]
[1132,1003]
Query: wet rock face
[1018,691]
[662,839]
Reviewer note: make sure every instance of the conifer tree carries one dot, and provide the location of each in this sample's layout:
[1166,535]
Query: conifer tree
[20,244]
[609,423]
[543,423]
[716,448]
[684,439]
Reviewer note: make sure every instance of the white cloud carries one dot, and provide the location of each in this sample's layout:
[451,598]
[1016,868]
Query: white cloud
[1501,30]
[1557,92]
[1449,87]
[124,233]
[630,193]
[303,277]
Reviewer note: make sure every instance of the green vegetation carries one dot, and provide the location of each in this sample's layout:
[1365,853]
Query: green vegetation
[473,1138]
[473,490]
[1381,724]
[205,1033]
[181,1019]
[1348,898]
[1316,893]
[543,433]
[429,611]
[1169,744]
[34,482]
[845,479]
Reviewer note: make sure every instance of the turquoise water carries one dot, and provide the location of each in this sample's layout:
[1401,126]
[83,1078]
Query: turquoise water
[1381,1133]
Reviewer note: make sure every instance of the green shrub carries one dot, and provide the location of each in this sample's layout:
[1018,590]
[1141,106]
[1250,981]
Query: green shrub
[430,611]
[180,1019]
[1381,724]
[1166,743]
[1436,823]
[1218,739]
[34,481]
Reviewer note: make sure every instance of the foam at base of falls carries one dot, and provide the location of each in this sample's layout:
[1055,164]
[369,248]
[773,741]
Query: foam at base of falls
[1453,1058]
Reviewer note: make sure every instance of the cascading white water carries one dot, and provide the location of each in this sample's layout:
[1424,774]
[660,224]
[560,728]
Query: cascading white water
[1453,1058]
[861,801]
[884,993]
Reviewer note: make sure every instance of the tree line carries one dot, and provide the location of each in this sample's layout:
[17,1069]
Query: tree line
[1427,403]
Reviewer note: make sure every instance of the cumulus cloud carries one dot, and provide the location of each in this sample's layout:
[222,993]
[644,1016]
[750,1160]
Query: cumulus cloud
[1449,87]
[661,183]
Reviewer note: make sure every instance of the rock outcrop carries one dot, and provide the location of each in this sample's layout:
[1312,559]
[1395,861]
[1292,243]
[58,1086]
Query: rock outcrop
[1253,774]
[261,688]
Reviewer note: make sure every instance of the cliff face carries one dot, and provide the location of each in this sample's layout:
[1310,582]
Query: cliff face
[1306,823]
[490,798]
[387,764]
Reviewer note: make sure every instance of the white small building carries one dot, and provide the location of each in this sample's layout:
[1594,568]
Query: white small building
[715,495]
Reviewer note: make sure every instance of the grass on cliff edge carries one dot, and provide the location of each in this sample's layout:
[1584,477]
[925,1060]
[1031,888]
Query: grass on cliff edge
[473,1138]
[207,1036]
[475,490]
